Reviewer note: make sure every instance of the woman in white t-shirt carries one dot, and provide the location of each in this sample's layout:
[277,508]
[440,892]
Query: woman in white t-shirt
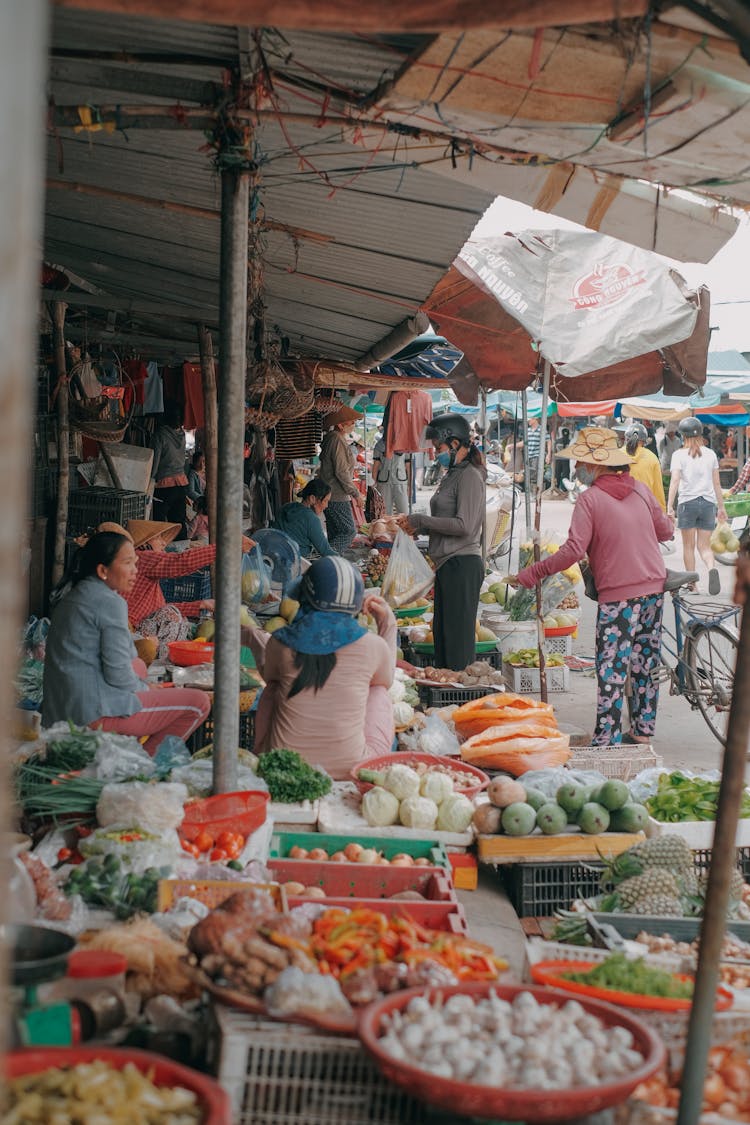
[695,473]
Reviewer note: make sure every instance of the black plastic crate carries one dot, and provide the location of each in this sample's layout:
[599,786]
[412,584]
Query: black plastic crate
[43,489]
[205,733]
[427,659]
[88,507]
[435,695]
[46,440]
[189,588]
[537,890]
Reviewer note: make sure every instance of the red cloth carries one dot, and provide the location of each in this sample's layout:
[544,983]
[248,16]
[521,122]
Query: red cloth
[408,414]
[146,596]
[193,386]
[137,372]
[177,711]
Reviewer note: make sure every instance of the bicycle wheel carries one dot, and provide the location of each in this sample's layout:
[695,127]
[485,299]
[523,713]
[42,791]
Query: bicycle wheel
[710,654]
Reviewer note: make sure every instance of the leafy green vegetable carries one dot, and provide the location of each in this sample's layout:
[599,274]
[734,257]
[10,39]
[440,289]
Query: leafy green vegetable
[622,975]
[43,793]
[681,798]
[290,778]
[522,606]
[104,883]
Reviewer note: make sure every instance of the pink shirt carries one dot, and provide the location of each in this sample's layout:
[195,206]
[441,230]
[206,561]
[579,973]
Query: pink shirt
[326,727]
[620,533]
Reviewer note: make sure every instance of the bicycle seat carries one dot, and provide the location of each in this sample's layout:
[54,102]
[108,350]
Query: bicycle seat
[677,578]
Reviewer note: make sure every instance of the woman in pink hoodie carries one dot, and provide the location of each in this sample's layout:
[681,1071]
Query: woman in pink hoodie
[619,524]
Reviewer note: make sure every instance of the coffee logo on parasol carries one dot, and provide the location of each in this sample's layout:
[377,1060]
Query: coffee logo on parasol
[605,285]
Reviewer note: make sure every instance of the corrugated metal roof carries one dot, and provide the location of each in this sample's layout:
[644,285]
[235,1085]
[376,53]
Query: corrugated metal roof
[387,229]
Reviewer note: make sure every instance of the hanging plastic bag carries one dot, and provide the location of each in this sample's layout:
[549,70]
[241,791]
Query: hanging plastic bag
[408,575]
[256,577]
[556,587]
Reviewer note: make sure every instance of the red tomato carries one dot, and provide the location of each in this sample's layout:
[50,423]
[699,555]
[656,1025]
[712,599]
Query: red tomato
[190,848]
[64,854]
[204,841]
[234,847]
[224,838]
[218,854]
[82,831]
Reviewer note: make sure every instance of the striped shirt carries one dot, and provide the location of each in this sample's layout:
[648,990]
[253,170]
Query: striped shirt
[146,596]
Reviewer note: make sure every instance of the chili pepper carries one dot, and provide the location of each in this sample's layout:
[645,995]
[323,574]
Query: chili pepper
[363,960]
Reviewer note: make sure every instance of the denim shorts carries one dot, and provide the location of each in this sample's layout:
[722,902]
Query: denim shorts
[698,514]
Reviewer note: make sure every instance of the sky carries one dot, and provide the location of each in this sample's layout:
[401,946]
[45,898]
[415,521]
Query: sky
[727,275]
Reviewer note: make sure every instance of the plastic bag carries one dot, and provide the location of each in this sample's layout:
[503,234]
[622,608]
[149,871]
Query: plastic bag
[198,776]
[172,753]
[646,783]
[556,587]
[408,574]
[119,757]
[436,737]
[548,781]
[136,848]
[154,808]
[256,577]
[297,993]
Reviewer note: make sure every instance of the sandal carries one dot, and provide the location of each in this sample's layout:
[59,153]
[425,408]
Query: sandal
[631,740]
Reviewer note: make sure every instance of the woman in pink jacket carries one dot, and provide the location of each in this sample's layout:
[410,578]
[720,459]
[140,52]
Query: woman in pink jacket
[619,524]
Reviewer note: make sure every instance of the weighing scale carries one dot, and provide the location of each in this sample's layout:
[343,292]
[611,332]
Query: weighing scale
[38,955]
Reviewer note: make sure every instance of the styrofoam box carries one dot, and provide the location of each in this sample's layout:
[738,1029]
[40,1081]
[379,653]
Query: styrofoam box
[527,680]
[697,833]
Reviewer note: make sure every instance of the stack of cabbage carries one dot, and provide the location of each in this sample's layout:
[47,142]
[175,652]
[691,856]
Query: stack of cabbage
[429,803]
[404,697]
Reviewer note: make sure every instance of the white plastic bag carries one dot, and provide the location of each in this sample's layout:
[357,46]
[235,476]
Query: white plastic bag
[408,575]
[152,807]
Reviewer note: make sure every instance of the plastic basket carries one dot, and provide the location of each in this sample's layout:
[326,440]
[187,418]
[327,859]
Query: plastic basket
[473,780]
[560,646]
[212,892]
[295,1075]
[525,681]
[188,653]
[539,950]
[88,507]
[439,696]
[427,659]
[164,1072]
[227,812]
[365,881]
[738,505]
[447,917]
[189,588]
[282,842]
[681,929]
[537,890]
[623,762]
[205,733]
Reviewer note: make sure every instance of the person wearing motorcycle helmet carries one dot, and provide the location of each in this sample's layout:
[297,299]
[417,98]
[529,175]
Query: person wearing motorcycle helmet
[327,676]
[645,465]
[695,475]
[457,509]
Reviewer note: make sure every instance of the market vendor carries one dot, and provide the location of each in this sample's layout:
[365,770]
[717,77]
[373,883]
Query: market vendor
[301,520]
[91,673]
[337,470]
[618,523]
[327,677]
[455,530]
[148,611]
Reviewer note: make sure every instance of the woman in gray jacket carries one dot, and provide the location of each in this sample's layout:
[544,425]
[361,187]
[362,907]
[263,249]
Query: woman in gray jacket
[337,470]
[92,674]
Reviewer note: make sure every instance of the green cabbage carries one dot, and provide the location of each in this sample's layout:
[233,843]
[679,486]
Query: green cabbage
[379,807]
[402,781]
[455,814]
[418,812]
[437,786]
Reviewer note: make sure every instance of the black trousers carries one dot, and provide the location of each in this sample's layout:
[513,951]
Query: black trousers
[457,585]
[172,506]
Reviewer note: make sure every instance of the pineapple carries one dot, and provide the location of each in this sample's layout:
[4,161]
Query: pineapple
[656,881]
[658,904]
[667,851]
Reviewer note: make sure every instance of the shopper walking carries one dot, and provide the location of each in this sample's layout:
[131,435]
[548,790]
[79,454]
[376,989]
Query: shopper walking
[455,528]
[337,470]
[644,465]
[168,470]
[618,524]
[391,477]
[695,476]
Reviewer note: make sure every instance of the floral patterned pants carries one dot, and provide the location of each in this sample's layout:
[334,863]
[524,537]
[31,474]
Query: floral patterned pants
[628,636]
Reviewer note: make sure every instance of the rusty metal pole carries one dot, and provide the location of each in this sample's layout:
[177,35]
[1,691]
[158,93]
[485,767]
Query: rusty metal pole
[208,379]
[63,439]
[235,195]
[713,926]
[537,525]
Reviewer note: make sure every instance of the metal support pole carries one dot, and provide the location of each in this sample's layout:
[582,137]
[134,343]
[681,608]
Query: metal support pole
[208,379]
[23,49]
[525,436]
[713,926]
[537,526]
[233,328]
[63,440]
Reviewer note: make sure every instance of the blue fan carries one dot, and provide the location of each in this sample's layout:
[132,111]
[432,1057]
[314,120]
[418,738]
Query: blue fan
[280,554]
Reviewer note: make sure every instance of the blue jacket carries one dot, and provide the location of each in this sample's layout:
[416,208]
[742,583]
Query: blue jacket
[88,671]
[301,524]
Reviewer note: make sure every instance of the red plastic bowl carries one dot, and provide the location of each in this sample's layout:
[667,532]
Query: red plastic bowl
[469,1100]
[187,653]
[550,973]
[227,812]
[217,1108]
[478,780]
[561,631]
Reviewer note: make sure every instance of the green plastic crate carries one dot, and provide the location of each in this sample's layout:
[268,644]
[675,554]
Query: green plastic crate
[738,505]
[282,842]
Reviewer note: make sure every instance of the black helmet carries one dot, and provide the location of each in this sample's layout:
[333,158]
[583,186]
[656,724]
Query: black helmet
[690,427]
[445,427]
[636,432]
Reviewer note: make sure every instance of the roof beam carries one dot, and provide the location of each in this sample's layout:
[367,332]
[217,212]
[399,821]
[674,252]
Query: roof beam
[387,15]
[205,314]
[131,81]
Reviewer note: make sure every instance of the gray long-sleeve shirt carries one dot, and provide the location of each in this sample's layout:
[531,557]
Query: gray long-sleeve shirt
[337,466]
[88,669]
[457,507]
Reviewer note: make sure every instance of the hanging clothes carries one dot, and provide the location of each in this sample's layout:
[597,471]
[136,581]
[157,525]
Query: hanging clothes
[297,438]
[408,412]
[194,418]
[136,371]
[153,390]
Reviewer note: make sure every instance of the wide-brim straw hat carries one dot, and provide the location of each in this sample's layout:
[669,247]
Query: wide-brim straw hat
[597,445]
[342,415]
[143,531]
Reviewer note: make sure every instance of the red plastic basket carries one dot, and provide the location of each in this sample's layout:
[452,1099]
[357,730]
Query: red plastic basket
[364,880]
[551,973]
[469,1100]
[477,779]
[561,631]
[448,917]
[227,812]
[216,1105]
[187,653]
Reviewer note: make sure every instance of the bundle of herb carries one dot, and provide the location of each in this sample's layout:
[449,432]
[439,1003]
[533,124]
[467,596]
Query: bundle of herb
[289,777]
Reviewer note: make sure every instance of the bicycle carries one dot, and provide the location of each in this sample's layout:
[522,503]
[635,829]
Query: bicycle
[698,656]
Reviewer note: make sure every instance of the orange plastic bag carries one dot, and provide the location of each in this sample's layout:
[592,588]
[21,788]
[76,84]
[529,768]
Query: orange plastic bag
[496,712]
[500,701]
[516,754]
